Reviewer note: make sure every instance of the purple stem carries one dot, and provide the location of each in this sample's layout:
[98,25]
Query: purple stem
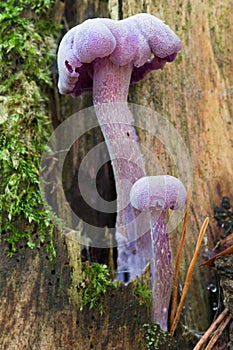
[161,268]
[110,91]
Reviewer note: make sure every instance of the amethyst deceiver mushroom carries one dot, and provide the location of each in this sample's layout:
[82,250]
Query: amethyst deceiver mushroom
[105,56]
[157,194]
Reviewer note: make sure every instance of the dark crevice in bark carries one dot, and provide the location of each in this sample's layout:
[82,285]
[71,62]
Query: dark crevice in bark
[120,9]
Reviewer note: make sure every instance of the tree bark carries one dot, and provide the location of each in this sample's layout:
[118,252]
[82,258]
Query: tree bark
[39,306]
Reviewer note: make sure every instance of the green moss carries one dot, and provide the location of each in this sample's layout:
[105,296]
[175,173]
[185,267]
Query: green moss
[27,51]
[157,339]
[143,293]
[95,285]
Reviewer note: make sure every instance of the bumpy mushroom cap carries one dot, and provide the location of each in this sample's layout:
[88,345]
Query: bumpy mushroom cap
[158,192]
[130,41]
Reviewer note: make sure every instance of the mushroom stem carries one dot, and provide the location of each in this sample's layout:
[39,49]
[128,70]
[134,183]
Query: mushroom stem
[110,81]
[161,268]
[110,91]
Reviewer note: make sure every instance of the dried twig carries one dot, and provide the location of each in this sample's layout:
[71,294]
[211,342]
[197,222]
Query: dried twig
[211,329]
[178,257]
[228,250]
[218,332]
[189,275]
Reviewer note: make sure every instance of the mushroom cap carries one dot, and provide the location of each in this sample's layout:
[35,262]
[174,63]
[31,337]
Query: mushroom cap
[158,192]
[129,41]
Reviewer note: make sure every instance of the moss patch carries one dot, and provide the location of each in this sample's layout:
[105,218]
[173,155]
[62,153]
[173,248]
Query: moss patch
[28,49]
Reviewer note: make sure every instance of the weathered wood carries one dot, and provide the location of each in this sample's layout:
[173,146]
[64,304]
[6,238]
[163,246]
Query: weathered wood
[224,270]
[37,309]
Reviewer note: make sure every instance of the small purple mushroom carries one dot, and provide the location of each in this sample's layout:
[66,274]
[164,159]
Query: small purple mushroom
[157,194]
[105,56]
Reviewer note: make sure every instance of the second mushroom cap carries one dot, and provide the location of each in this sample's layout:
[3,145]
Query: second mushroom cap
[158,192]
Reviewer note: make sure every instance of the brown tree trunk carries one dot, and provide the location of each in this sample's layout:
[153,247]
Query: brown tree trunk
[39,305]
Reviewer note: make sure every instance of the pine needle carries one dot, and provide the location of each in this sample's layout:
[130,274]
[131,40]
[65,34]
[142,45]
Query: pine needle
[228,250]
[218,332]
[189,275]
[178,257]
[212,329]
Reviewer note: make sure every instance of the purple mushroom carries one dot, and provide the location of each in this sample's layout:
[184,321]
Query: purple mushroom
[157,194]
[105,56]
